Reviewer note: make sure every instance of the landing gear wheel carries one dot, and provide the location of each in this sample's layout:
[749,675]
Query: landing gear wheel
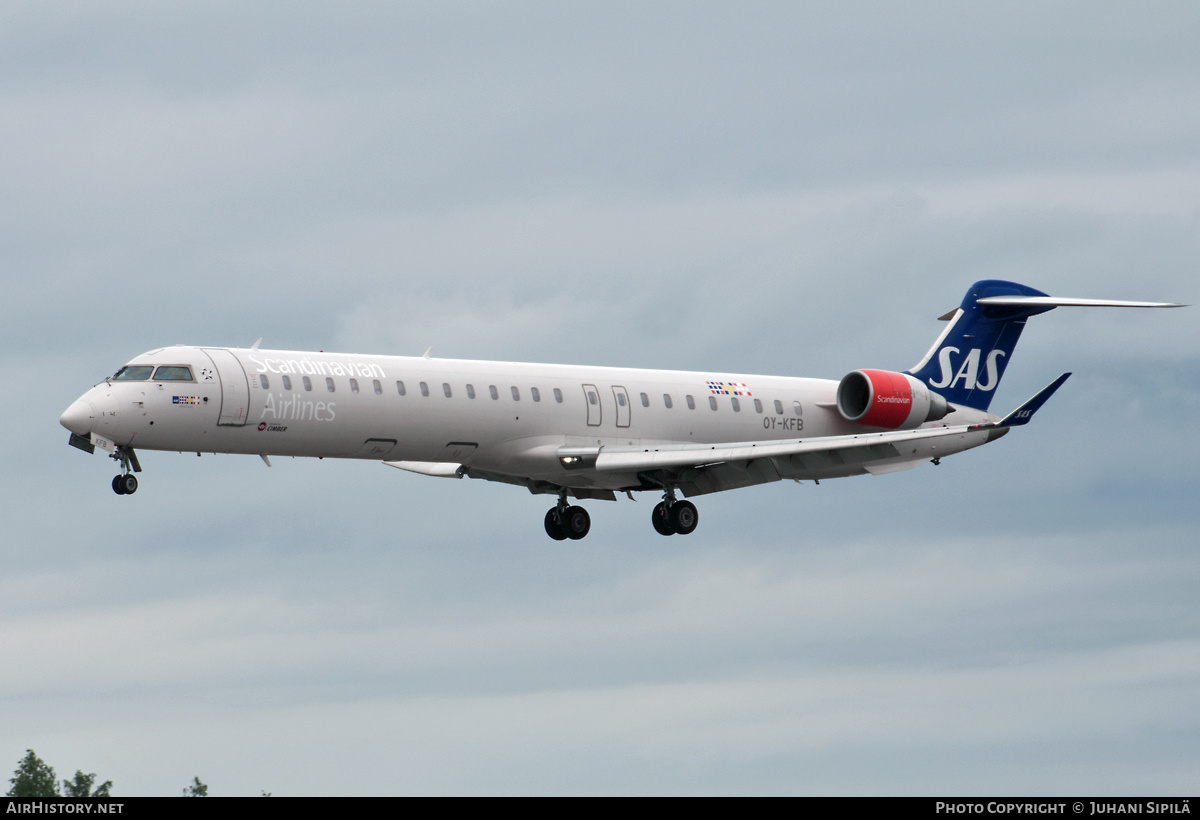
[554,525]
[577,523]
[661,518]
[128,484]
[117,485]
[684,517]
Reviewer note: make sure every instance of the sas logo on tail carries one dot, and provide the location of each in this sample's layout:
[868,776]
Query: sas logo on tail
[968,371]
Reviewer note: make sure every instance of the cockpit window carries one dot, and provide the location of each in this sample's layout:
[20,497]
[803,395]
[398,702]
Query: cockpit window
[133,373]
[173,373]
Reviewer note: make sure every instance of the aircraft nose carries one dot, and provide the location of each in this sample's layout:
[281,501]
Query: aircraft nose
[79,417]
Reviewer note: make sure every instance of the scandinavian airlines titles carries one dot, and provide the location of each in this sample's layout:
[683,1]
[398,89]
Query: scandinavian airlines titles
[309,367]
[294,408]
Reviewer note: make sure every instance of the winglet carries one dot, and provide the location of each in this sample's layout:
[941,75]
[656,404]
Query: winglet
[1024,413]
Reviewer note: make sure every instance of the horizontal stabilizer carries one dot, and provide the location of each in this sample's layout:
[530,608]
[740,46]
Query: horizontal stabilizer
[1057,301]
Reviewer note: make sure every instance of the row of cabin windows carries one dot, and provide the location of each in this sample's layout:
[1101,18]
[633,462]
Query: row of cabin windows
[734,401]
[183,373]
[402,390]
[534,393]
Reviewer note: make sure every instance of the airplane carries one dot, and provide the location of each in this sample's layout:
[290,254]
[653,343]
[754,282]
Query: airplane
[574,431]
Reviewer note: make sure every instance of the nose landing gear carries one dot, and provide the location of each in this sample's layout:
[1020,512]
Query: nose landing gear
[126,483]
[564,521]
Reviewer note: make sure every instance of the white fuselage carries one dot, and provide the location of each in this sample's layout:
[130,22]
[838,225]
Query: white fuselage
[504,418]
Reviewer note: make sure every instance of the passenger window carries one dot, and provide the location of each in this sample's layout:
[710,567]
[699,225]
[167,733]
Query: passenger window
[778,407]
[378,387]
[691,403]
[516,394]
[737,405]
[133,373]
[446,389]
[667,400]
[354,385]
[535,394]
[470,391]
[495,393]
[592,400]
[712,402]
[287,382]
[262,380]
[799,410]
[173,373]
[329,384]
[424,390]
[645,400]
[621,399]
[400,388]
[558,395]
[757,406]
[307,383]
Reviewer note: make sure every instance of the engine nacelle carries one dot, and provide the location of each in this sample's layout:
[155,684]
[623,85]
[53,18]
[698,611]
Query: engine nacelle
[893,401]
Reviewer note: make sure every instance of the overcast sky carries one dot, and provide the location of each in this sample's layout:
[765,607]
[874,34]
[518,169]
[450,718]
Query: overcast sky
[787,188]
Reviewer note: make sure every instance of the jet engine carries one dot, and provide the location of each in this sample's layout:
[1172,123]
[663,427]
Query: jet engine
[893,401]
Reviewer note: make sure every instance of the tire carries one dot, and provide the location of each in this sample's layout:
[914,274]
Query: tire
[578,522]
[117,485]
[662,519]
[554,527]
[684,517]
[129,484]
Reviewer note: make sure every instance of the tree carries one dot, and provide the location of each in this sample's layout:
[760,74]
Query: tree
[33,778]
[197,789]
[81,786]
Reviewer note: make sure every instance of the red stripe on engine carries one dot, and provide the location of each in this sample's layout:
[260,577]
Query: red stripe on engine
[891,399]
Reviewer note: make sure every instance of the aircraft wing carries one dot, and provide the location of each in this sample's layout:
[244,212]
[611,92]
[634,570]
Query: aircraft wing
[858,447]
[871,445]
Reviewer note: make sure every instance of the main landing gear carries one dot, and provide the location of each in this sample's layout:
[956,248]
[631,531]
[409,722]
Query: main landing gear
[670,516]
[564,521]
[126,483]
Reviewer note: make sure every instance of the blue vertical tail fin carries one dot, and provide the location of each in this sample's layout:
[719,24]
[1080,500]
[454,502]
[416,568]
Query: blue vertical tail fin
[966,363]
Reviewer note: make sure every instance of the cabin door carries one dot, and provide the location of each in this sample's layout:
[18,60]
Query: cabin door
[235,390]
[621,397]
[591,395]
